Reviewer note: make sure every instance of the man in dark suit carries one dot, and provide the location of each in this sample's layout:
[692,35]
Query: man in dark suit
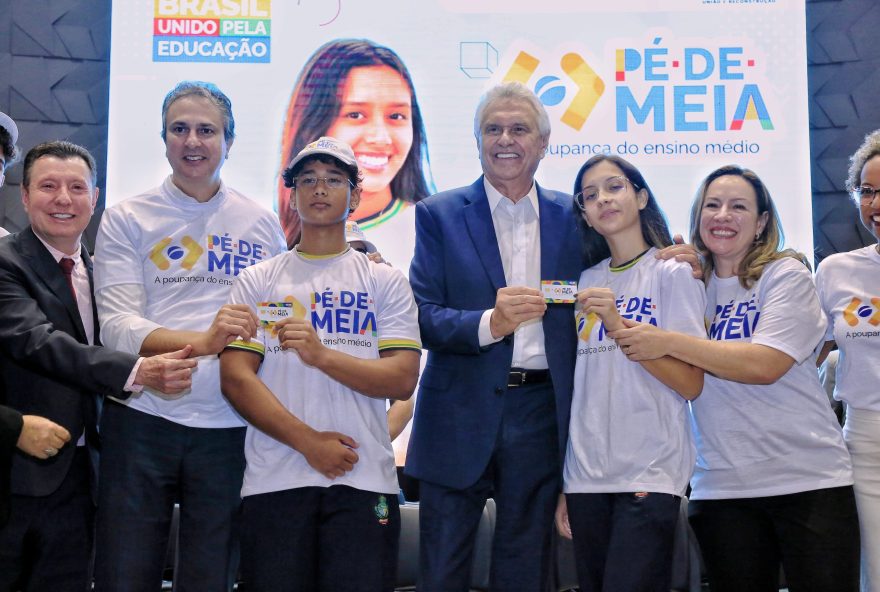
[29,433]
[52,366]
[492,412]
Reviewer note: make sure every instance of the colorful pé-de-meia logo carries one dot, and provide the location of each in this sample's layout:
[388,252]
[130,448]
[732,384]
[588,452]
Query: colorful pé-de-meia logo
[682,88]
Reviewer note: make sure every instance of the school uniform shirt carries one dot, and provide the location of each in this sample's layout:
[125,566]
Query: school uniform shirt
[356,307]
[763,440]
[175,260]
[628,431]
[849,290]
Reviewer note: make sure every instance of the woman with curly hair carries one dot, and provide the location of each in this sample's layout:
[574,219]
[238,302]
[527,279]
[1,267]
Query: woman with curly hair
[849,289]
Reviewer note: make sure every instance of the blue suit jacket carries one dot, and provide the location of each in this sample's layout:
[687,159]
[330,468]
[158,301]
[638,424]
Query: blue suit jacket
[455,274]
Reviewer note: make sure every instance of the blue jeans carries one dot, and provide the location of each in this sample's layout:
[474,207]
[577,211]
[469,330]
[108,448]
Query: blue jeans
[148,464]
[623,541]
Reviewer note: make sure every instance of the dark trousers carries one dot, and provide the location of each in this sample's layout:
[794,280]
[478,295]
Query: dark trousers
[815,534]
[148,464]
[623,541]
[333,539]
[523,478]
[47,543]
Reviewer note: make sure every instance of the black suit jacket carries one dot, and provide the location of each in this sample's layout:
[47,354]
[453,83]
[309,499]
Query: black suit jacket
[47,367]
[10,429]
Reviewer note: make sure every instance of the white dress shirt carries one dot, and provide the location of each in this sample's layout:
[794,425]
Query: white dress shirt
[81,286]
[517,230]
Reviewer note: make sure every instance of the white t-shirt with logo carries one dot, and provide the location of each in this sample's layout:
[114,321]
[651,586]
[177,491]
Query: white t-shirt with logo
[628,431]
[763,440]
[186,255]
[849,289]
[356,307]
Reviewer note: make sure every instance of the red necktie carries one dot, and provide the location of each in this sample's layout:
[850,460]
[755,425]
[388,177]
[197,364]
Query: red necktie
[67,267]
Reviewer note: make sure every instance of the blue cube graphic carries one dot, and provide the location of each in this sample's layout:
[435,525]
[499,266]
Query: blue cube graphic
[477,59]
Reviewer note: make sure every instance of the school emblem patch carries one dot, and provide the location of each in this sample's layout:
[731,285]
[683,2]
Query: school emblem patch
[381,510]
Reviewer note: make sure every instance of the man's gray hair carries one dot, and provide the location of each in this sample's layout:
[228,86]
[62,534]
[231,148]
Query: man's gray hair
[515,91]
[206,90]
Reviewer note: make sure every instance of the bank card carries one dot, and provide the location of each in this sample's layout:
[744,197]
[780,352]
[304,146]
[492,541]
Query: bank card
[559,291]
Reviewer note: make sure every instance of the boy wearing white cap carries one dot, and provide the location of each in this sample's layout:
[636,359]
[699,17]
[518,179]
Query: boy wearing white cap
[337,336]
[8,150]
[356,238]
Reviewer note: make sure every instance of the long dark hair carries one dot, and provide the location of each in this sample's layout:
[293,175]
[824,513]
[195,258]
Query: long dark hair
[315,104]
[655,229]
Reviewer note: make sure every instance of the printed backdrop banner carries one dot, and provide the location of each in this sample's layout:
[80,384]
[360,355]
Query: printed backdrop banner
[678,87]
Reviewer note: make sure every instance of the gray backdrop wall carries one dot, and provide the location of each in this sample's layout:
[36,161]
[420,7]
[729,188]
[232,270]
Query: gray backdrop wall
[54,59]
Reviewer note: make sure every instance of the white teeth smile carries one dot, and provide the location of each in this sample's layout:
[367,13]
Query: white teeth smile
[193,158]
[373,161]
[62,216]
[723,233]
[506,155]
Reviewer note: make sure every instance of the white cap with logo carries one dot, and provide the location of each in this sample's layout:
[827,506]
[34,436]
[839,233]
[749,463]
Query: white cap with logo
[9,125]
[330,147]
[354,234]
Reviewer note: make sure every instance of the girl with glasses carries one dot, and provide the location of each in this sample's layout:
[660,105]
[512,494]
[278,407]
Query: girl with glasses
[630,453]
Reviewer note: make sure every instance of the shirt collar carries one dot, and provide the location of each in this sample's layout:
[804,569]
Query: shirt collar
[188,201]
[495,196]
[59,255]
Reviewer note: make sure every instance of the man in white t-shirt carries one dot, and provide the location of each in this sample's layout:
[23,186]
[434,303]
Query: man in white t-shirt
[338,335]
[165,262]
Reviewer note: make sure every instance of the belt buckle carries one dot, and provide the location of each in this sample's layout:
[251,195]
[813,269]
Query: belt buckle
[514,382]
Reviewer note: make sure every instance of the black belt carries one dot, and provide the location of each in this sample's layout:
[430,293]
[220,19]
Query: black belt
[524,376]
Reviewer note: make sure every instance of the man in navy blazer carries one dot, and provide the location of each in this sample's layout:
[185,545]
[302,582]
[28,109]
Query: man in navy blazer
[494,400]
[51,366]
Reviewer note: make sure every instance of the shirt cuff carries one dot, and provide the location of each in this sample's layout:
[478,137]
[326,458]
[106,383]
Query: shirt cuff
[130,386]
[484,333]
